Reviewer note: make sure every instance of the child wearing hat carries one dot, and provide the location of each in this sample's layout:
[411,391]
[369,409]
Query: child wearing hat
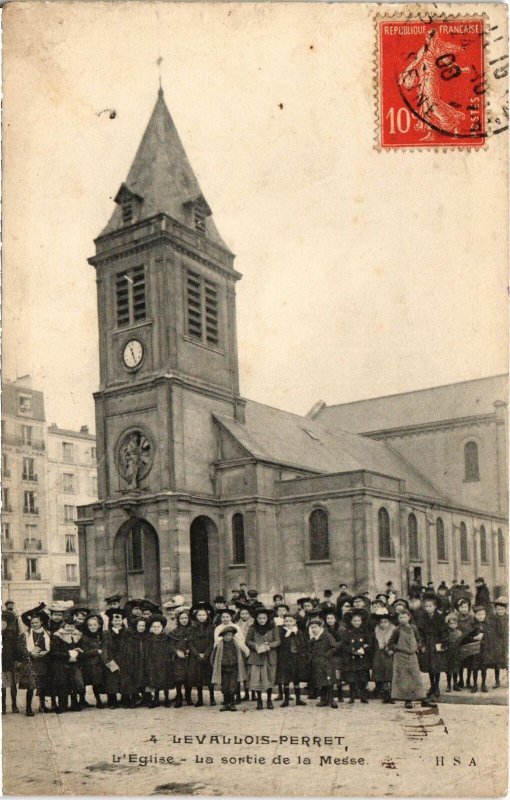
[357,646]
[201,644]
[12,652]
[138,667]
[451,655]
[321,649]
[160,660]
[483,633]
[466,620]
[382,663]
[434,637]
[34,676]
[65,651]
[92,663]
[337,630]
[115,655]
[228,665]
[404,644]
[244,621]
[500,622]
[292,659]
[262,640]
[180,638]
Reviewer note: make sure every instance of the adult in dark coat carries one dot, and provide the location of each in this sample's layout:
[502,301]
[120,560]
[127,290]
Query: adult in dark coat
[357,647]
[342,597]
[322,647]
[180,637]
[434,638]
[444,598]
[12,652]
[115,655]
[292,659]
[201,644]
[483,597]
[91,657]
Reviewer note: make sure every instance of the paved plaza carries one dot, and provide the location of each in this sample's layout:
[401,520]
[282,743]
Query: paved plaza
[457,750]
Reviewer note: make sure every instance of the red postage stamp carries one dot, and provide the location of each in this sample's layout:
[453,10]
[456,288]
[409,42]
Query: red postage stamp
[431,82]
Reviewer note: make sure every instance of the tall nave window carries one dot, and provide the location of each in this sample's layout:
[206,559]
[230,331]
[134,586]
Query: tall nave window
[471,468]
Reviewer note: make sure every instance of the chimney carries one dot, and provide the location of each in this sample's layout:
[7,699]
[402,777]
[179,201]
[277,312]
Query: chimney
[84,429]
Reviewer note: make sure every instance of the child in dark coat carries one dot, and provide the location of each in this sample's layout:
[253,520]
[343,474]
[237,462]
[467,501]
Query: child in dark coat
[322,647]
[483,632]
[12,652]
[382,663]
[115,655]
[65,651]
[92,662]
[201,644]
[160,659]
[137,649]
[228,665]
[180,638]
[35,673]
[336,629]
[434,637]
[451,656]
[357,646]
[500,622]
[291,664]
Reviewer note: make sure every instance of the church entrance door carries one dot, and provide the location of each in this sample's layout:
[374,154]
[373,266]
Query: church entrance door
[136,560]
[203,533]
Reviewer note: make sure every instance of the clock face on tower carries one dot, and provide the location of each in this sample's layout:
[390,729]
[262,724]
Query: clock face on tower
[132,354]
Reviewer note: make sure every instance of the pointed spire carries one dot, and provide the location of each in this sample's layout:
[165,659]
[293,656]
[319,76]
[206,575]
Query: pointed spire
[161,177]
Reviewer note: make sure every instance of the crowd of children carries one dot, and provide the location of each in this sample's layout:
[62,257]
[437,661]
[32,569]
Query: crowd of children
[136,655]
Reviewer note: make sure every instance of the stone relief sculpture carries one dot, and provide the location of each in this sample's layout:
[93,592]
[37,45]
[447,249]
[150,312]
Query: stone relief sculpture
[134,458]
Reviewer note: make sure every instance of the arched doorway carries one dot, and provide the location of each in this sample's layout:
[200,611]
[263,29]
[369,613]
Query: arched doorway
[136,560]
[204,555]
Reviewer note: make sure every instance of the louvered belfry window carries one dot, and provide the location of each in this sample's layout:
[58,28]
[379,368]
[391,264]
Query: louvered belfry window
[202,305]
[131,296]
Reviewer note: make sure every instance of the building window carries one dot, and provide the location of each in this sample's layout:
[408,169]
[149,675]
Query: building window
[319,535]
[67,452]
[238,539]
[6,569]
[131,299]
[71,573]
[464,549]
[93,454]
[383,521]
[70,543]
[134,550]
[471,471]
[32,571]
[6,530]
[501,548]
[68,484]
[440,540]
[412,532]
[199,215]
[69,513]
[6,472]
[28,473]
[127,208]
[30,503]
[31,532]
[26,435]
[6,500]
[93,485]
[483,546]
[202,305]
[25,404]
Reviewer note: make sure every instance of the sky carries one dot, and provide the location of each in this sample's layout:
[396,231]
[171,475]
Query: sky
[364,273]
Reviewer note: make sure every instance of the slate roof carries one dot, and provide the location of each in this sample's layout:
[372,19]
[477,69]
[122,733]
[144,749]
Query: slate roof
[289,439]
[162,175]
[440,403]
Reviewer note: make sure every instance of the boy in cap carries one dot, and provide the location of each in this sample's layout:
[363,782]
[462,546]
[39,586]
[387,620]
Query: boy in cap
[327,603]
[111,602]
[228,666]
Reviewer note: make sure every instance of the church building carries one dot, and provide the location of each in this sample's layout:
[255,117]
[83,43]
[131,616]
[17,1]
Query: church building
[201,489]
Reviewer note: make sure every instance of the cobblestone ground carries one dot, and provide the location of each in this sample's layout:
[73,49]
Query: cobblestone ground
[389,751]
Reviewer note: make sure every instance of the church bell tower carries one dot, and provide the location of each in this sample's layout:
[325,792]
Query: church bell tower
[168,362]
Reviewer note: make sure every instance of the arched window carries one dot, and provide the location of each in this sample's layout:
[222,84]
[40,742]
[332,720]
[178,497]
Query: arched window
[412,533]
[483,546]
[319,535]
[471,471]
[464,550]
[440,540]
[501,548]
[134,549]
[384,533]
[238,551]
